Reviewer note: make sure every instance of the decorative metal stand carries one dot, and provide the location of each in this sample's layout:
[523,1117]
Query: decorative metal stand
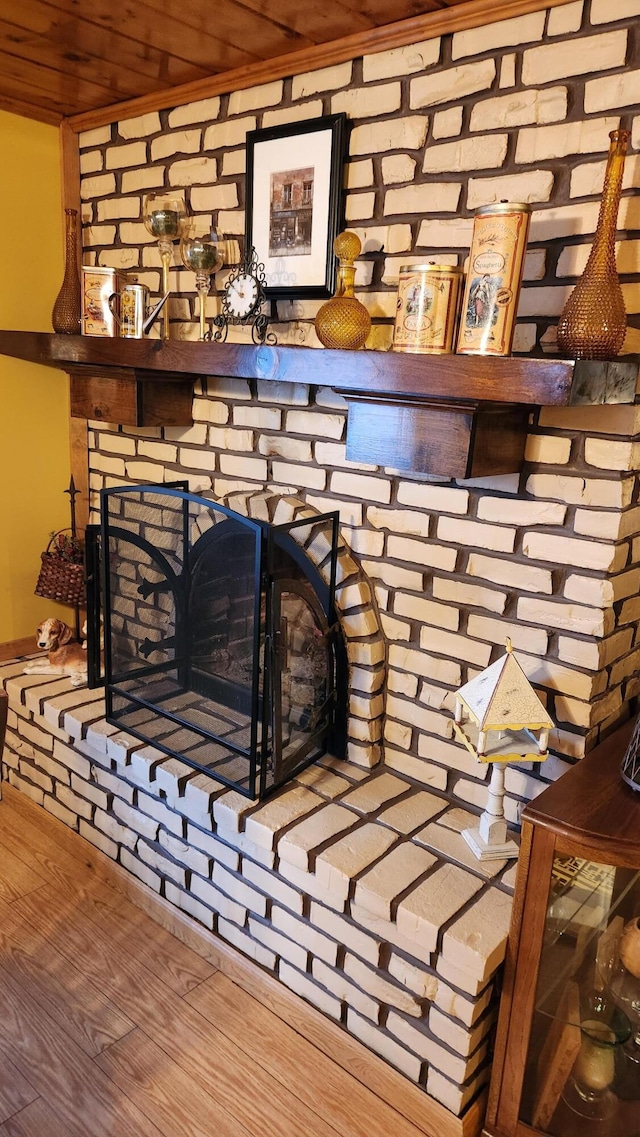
[258,320]
[64,580]
[73,494]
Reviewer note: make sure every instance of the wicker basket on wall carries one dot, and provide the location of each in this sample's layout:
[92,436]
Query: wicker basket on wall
[61,577]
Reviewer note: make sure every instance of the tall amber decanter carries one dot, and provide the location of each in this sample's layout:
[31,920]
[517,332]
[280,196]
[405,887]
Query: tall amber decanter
[343,322]
[593,323]
[65,316]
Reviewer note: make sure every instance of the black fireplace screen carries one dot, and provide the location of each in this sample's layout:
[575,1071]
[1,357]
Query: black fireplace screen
[221,642]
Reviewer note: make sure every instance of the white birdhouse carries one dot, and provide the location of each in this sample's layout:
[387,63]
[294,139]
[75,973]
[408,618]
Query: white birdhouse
[498,716]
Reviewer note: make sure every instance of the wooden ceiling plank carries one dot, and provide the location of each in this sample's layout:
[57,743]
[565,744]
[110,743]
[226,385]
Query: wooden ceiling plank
[206,45]
[377,11]
[261,35]
[12,88]
[118,81]
[319,22]
[470,14]
[30,110]
[49,82]
[76,33]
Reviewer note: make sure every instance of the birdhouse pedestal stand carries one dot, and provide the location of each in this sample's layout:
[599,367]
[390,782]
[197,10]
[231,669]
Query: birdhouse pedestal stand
[489,841]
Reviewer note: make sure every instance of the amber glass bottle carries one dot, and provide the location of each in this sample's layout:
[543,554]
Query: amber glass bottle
[343,322]
[65,316]
[593,323]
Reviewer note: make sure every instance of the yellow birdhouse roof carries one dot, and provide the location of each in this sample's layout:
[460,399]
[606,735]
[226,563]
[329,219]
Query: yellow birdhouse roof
[502,696]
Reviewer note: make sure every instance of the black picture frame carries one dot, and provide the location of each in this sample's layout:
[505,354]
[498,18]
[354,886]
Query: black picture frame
[294,204]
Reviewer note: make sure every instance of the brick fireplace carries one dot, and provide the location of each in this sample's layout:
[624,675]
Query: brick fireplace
[353,884]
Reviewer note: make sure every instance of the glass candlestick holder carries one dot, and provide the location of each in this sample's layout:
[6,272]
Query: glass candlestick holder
[164,215]
[204,256]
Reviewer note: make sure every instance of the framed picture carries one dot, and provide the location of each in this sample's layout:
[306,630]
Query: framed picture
[294,204]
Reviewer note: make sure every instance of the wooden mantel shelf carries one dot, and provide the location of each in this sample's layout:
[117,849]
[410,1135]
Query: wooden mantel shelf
[517,379]
[454,415]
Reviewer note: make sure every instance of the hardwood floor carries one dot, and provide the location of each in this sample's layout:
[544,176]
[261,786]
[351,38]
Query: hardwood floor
[110,1026]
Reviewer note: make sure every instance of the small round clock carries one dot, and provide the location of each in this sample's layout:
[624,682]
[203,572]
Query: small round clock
[242,295]
[242,301]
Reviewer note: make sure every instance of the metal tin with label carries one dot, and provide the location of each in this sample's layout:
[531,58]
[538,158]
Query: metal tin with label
[427,307]
[492,289]
[134,301]
[98,284]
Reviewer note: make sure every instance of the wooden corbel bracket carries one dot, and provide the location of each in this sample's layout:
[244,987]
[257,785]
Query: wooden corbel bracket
[466,439]
[131,396]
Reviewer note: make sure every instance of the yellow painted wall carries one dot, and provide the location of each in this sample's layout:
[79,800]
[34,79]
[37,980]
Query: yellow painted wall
[34,401]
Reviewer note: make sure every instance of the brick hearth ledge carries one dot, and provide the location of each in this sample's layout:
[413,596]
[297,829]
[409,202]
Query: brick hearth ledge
[354,886]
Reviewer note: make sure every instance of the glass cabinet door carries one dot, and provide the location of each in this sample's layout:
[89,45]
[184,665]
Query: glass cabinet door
[582,1073]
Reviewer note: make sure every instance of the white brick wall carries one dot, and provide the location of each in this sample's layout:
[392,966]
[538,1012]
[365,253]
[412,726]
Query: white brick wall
[442,558]
[451,85]
[551,88]
[522,111]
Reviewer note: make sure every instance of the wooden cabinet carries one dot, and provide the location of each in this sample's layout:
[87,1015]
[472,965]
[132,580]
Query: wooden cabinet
[567,1056]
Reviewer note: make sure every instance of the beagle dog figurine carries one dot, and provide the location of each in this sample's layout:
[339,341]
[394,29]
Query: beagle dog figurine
[65,655]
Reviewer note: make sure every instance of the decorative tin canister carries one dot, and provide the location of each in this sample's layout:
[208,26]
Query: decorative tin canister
[134,301]
[492,289]
[427,308]
[98,284]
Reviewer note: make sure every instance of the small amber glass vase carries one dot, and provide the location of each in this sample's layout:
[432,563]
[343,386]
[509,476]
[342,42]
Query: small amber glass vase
[65,316]
[593,323]
[343,322]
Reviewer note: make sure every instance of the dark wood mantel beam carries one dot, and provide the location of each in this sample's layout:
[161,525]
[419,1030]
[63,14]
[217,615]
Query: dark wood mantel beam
[540,382]
[514,379]
[453,415]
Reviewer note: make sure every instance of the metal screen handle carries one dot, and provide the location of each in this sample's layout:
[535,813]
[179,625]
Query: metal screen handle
[92,574]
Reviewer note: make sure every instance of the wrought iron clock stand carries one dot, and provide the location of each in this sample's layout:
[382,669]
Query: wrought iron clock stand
[249,268]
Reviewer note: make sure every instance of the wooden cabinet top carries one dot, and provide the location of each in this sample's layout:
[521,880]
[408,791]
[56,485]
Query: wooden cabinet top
[592,804]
